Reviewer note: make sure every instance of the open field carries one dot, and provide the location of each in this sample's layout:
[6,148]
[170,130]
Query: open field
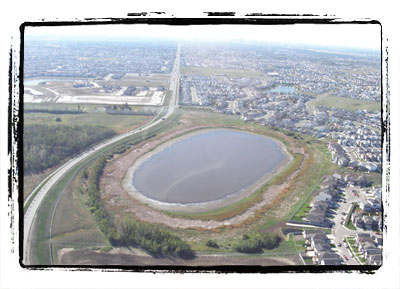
[119,123]
[348,103]
[210,71]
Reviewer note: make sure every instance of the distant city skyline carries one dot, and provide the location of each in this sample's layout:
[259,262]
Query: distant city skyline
[364,36]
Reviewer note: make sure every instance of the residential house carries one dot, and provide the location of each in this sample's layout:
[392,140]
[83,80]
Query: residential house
[365,245]
[372,251]
[365,206]
[329,258]
[375,259]
[307,234]
[357,220]
[368,223]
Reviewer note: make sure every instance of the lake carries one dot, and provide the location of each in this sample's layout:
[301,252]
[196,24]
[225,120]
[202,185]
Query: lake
[285,89]
[207,166]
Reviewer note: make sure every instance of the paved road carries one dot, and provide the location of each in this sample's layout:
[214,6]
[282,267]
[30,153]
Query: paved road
[340,231]
[30,214]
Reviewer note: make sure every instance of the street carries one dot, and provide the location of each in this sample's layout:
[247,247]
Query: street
[339,231]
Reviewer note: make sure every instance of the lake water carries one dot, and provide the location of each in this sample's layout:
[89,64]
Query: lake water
[285,89]
[207,166]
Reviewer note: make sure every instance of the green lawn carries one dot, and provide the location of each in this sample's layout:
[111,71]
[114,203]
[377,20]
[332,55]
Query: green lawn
[310,181]
[348,103]
[300,246]
[308,260]
[351,226]
[303,210]
[375,178]
[350,241]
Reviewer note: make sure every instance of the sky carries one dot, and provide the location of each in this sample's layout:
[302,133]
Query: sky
[367,36]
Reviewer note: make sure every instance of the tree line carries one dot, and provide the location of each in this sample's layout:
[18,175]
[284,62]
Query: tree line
[53,110]
[150,237]
[47,145]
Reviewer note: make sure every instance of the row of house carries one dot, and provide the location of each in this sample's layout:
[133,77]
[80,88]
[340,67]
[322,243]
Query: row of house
[326,201]
[371,247]
[320,245]
[366,222]
[339,155]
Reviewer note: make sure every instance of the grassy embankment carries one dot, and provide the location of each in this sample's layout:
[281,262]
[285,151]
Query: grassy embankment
[320,167]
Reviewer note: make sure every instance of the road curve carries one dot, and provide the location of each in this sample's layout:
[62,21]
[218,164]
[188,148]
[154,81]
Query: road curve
[30,214]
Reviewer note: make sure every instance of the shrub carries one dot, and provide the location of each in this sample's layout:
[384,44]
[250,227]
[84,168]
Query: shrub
[257,243]
[211,243]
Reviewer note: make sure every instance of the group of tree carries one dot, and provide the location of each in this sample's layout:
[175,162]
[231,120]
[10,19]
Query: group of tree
[258,243]
[150,237]
[103,219]
[47,145]
[66,110]
[154,239]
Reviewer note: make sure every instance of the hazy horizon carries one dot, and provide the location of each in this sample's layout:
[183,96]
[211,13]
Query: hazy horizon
[352,36]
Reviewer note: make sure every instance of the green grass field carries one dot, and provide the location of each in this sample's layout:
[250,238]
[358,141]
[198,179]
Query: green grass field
[120,123]
[230,72]
[348,103]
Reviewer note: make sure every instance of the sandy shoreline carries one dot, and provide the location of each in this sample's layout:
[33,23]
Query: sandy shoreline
[206,206]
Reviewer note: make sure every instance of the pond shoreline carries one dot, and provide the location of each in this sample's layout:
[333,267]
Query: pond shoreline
[204,206]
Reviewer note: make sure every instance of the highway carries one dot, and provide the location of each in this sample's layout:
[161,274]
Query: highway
[31,212]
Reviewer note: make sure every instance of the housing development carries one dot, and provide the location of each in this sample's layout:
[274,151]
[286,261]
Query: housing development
[319,204]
